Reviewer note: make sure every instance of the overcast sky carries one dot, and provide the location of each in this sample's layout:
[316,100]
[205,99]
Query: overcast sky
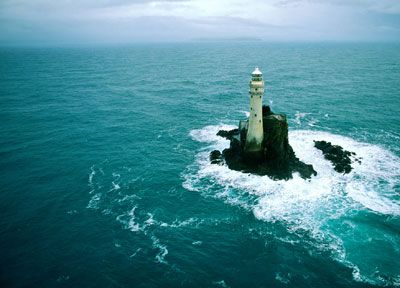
[48,22]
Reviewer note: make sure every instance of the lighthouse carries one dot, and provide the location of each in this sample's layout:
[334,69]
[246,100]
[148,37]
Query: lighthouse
[255,134]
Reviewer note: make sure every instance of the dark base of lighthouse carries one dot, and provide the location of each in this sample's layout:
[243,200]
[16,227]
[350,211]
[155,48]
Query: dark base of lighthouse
[277,158]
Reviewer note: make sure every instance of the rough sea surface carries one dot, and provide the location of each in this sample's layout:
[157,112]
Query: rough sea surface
[105,179]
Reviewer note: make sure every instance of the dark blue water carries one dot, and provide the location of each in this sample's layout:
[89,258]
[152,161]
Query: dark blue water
[105,180]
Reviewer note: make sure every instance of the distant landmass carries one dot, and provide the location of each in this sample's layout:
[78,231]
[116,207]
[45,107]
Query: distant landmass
[233,39]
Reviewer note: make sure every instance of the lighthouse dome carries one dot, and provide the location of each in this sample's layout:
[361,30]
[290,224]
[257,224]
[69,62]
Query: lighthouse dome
[256,72]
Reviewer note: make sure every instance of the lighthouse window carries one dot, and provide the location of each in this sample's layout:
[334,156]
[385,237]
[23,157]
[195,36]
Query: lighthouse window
[259,121]
[251,108]
[255,115]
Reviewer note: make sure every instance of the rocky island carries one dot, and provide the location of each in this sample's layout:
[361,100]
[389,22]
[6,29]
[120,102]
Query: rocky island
[260,145]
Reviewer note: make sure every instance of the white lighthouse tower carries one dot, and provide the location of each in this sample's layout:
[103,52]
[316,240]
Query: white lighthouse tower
[255,132]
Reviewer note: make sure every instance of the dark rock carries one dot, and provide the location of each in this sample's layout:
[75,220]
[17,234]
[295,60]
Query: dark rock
[216,157]
[277,159]
[266,111]
[339,157]
[228,134]
[276,144]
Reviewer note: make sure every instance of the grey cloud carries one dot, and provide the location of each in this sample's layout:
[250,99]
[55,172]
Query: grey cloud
[46,7]
[381,6]
[45,22]
[88,31]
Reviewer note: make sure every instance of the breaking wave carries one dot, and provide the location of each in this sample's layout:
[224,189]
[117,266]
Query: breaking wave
[328,206]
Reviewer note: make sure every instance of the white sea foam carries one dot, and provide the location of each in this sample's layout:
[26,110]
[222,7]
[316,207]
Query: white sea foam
[370,184]
[136,252]
[246,113]
[72,212]
[304,204]
[163,251]
[305,118]
[298,116]
[150,221]
[94,201]
[129,220]
[282,278]
[188,222]
[111,198]
[91,175]
[209,134]
[115,186]
[221,283]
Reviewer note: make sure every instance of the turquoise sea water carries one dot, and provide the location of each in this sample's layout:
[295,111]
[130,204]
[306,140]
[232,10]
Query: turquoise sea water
[105,180]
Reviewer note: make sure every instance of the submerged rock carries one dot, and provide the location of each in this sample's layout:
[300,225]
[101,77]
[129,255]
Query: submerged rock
[339,157]
[277,159]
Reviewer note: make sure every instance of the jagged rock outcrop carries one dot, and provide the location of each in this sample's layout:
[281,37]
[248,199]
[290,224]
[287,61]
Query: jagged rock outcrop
[277,159]
[339,157]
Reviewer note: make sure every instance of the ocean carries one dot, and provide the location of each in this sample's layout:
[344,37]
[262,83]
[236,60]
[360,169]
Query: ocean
[106,182]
